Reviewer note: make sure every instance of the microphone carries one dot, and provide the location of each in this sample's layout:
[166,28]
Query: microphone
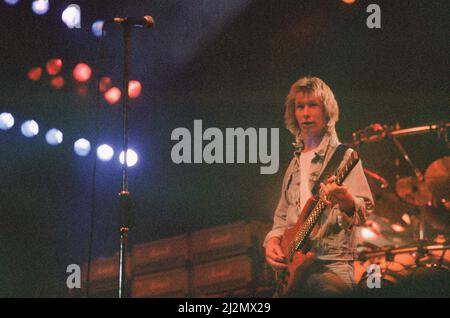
[371,133]
[144,21]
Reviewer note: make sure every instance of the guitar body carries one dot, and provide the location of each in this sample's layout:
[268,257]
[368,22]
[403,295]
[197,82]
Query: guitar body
[289,280]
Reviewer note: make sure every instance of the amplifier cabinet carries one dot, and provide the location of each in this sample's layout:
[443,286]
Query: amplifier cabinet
[174,283]
[104,276]
[239,272]
[225,241]
[160,255]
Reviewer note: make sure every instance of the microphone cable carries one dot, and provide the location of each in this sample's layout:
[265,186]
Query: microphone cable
[100,58]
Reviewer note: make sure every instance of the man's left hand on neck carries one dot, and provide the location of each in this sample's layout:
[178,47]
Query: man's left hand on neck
[338,194]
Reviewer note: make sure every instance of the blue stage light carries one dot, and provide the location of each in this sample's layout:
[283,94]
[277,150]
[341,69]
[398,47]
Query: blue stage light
[97,28]
[40,7]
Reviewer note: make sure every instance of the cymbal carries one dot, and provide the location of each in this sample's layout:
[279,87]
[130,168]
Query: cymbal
[413,191]
[437,178]
[389,206]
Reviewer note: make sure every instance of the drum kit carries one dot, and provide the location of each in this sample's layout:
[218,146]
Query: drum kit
[408,234]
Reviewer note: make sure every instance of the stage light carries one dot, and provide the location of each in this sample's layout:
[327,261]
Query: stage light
[40,6]
[54,137]
[368,234]
[82,72]
[349,1]
[54,66]
[97,28]
[406,218]
[82,147]
[35,73]
[6,121]
[112,95]
[132,157]
[11,2]
[398,228]
[57,82]
[134,88]
[30,128]
[71,16]
[105,152]
[105,84]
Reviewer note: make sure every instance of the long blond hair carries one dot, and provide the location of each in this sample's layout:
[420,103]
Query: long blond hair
[323,92]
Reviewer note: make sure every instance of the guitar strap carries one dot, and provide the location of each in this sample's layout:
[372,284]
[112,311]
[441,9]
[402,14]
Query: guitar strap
[331,167]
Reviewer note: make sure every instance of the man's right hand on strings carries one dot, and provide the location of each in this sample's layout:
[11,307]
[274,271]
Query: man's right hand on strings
[274,255]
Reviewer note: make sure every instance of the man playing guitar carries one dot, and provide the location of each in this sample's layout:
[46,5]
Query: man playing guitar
[311,113]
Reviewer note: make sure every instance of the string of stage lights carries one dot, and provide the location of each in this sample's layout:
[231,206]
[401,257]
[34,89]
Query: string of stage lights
[71,15]
[54,137]
[82,74]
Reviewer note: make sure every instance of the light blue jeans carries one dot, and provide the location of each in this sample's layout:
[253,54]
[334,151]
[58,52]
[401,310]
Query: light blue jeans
[326,279]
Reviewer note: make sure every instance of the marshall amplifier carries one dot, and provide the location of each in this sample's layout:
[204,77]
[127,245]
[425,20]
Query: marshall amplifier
[224,241]
[236,273]
[104,276]
[160,255]
[173,283]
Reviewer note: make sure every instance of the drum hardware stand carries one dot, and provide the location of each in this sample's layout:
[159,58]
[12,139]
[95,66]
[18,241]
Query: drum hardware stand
[420,178]
[422,249]
[377,132]
[419,254]
[389,256]
[402,150]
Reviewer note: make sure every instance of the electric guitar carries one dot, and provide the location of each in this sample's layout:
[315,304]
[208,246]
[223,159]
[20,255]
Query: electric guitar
[294,243]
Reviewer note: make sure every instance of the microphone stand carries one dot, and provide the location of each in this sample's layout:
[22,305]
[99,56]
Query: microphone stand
[125,200]
[125,214]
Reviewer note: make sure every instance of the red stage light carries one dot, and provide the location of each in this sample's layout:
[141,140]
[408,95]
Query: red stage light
[54,66]
[112,95]
[349,1]
[134,88]
[57,82]
[82,72]
[35,73]
[105,83]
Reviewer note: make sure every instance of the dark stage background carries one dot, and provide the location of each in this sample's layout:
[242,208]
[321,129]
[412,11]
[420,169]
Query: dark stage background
[227,62]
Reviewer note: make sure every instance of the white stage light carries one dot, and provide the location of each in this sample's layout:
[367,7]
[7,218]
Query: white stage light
[132,157]
[82,147]
[6,121]
[54,137]
[105,152]
[30,128]
[71,16]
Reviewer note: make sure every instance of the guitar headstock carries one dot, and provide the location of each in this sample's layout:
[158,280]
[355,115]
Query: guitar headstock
[351,162]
